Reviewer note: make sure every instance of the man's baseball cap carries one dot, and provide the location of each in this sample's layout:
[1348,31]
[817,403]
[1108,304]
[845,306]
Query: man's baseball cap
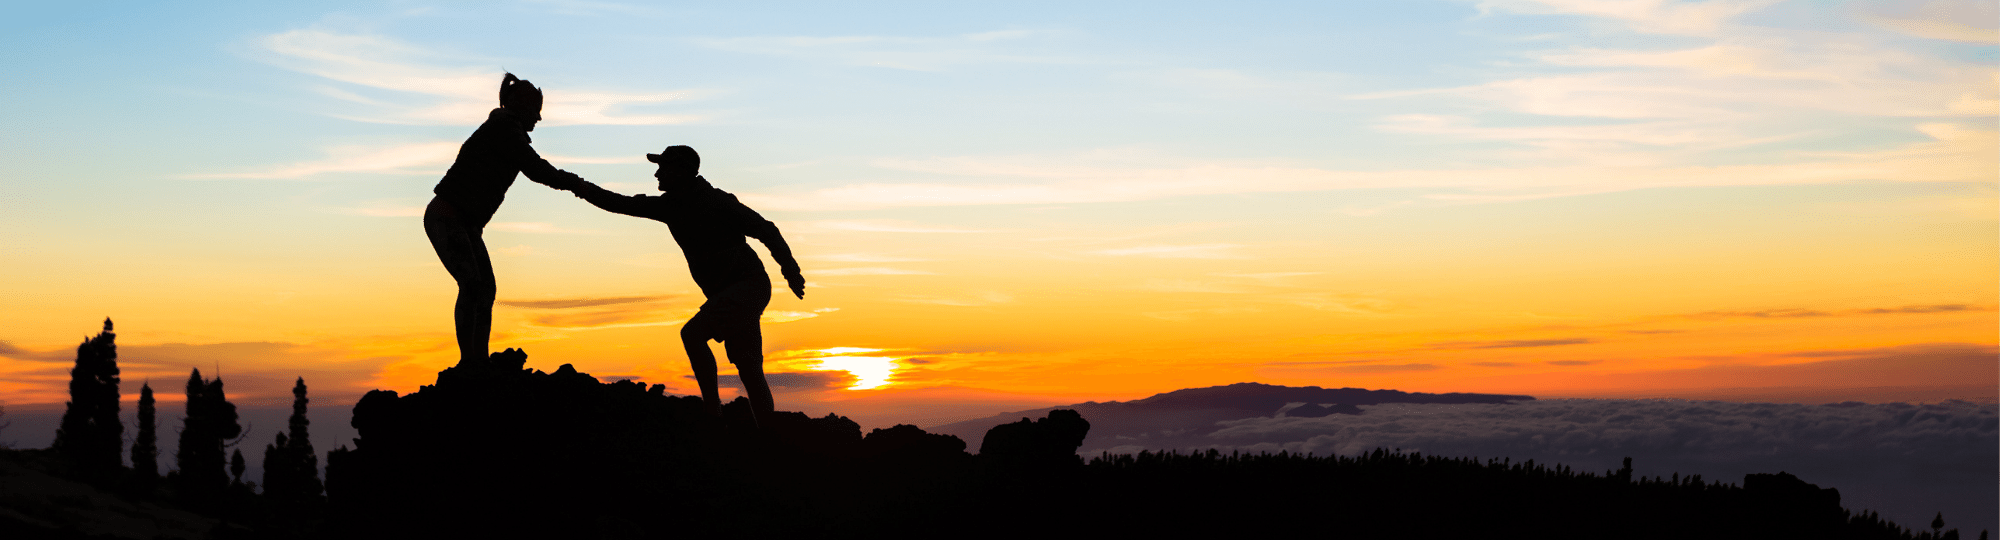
[676,153]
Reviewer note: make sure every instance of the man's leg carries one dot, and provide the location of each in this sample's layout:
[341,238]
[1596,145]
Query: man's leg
[731,318]
[745,348]
[694,337]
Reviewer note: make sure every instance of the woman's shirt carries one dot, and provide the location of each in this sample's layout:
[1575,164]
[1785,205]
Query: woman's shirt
[486,166]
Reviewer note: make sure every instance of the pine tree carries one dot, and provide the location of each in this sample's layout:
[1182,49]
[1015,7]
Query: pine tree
[146,450]
[210,421]
[236,468]
[291,466]
[301,464]
[91,434]
[305,458]
[277,470]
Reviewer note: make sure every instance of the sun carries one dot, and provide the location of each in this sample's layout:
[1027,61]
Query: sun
[870,372]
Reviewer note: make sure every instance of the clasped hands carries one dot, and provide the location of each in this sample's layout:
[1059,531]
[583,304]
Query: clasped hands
[567,181]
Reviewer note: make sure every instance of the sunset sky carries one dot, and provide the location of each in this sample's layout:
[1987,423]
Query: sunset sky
[1025,204]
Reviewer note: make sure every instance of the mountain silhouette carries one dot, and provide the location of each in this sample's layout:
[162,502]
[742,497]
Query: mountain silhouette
[1163,420]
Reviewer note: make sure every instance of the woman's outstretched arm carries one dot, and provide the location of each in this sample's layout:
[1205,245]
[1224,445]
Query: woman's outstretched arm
[534,167]
[631,205]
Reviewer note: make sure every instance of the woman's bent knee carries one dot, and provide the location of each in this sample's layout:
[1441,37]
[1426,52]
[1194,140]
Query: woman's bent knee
[482,289]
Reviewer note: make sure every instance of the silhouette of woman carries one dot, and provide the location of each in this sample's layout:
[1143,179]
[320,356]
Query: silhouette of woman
[468,195]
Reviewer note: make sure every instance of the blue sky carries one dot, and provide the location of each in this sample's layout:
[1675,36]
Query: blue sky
[1044,184]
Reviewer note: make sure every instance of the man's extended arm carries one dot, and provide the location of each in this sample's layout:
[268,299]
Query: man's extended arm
[631,205]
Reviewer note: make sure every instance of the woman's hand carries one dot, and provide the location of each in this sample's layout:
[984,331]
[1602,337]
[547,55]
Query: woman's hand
[567,181]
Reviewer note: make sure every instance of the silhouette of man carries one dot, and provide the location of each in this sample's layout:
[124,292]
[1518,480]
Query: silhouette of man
[710,224]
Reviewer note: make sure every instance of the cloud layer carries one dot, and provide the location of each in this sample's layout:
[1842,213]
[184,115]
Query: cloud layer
[1907,461]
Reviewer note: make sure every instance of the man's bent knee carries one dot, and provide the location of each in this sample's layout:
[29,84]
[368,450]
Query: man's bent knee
[694,332]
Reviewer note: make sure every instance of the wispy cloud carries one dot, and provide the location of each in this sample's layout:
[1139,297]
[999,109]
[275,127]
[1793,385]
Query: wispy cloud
[869,271]
[1954,153]
[935,53]
[606,312]
[1182,315]
[861,258]
[1270,276]
[633,159]
[1195,251]
[623,317]
[1300,90]
[1651,16]
[775,317]
[1379,368]
[1188,286]
[591,8]
[1571,363]
[890,226]
[1510,343]
[568,303]
[1967,21]
[1340,303]
[975,299]
[1796,313]
[1724,83]
[385,208]
[423,158]
[407,84]
[427,158]
[533,227]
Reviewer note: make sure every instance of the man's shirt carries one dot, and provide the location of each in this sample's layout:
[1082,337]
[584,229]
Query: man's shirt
[710,226]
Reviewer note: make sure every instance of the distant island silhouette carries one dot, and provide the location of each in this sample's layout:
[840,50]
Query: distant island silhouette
[497,449]
[1205,406]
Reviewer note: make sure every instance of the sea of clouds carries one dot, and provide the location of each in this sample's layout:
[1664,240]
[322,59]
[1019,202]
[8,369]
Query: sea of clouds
[1907,462]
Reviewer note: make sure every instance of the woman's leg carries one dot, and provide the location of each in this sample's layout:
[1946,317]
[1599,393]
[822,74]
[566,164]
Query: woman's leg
[463,252]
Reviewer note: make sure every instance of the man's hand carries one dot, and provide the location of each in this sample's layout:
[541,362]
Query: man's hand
[797,282]
[567,181]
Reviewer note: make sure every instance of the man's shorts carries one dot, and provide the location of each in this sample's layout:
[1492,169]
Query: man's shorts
[736,308]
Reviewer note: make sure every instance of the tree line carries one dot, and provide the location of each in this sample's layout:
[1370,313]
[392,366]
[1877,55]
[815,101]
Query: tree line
[208,462]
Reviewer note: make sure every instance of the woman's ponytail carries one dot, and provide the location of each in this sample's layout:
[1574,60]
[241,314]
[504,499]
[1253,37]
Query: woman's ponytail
[506,85]
[518,93]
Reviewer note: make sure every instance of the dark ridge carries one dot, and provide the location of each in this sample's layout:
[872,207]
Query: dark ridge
[496,450]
